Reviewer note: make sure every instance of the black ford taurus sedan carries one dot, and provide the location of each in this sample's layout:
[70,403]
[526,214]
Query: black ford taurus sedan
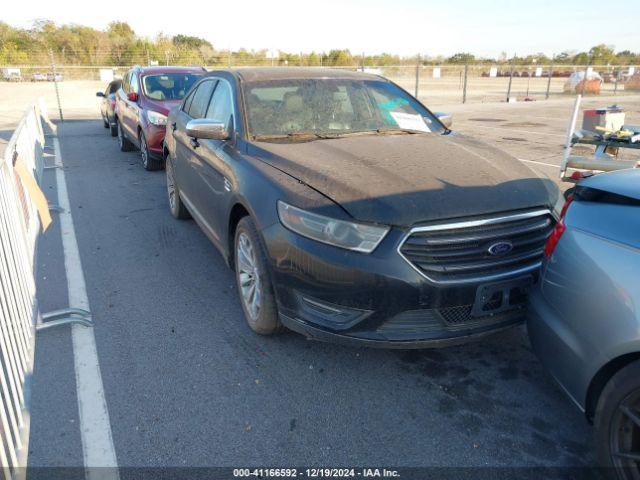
[352,213]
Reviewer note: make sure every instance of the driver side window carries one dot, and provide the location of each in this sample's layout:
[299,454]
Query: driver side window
[200,100]
[134,83]
[221,106]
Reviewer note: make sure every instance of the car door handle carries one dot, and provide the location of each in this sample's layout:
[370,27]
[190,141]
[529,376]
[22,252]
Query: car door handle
[194,142]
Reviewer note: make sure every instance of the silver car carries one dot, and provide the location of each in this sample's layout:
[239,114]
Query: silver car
[584,320]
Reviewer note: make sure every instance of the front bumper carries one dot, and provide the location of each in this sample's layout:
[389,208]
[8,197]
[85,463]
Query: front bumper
[376,299]
[155,139]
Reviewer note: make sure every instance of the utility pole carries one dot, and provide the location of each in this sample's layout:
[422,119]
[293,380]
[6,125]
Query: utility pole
[546,97]
[464,86]
[513,61]
[55,82]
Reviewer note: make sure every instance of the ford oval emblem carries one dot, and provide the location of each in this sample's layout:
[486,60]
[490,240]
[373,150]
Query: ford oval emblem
[501,248]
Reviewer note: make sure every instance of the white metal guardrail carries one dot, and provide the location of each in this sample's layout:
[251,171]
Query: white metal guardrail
[24,212]
[19,228]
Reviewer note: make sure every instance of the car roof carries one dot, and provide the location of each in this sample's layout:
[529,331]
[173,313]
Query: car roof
[294,73]
[170,69]
[621,182]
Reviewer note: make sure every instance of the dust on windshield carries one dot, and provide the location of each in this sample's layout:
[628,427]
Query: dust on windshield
[329,108]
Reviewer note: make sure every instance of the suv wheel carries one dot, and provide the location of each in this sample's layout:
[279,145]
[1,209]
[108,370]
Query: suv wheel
[148,161]
[252,278]
[177,208]
[124,144]
[617,423]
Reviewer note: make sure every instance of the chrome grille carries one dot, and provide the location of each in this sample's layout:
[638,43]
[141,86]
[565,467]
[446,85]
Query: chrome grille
[459,252]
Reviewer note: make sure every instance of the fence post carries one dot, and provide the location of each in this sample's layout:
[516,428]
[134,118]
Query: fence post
[510,78]
[363,61]
[229,57]
[546,96]
[615,80]
[417,77]
[55,83]
[464,85]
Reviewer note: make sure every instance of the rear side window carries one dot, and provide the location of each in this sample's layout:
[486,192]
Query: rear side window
[125,82]
[200,101]
[587,194]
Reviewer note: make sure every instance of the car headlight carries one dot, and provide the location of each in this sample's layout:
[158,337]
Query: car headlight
[339,233]
[156,118]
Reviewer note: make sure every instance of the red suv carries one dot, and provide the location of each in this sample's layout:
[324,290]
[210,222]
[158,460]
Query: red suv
[142,104]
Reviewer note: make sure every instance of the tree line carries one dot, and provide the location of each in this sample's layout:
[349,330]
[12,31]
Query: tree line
[119,45]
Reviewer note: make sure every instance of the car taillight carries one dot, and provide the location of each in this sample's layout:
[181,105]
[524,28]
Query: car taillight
[558,230]
[113,103]
[568,201]
[554,238]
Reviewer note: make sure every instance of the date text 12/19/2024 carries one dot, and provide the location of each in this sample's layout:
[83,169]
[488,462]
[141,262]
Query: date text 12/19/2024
[315,473]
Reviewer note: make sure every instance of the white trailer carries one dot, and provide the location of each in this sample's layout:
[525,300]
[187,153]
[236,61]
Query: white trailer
[11,74]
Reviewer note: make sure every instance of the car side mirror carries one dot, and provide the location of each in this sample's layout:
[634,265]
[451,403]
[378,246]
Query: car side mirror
[133,96]
[206,128]
[99,94]
[445,118]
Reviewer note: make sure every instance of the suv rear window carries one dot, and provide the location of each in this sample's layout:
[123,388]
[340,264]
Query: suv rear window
[168,86]
[588,194]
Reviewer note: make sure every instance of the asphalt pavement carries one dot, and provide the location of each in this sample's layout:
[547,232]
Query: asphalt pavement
[187,383]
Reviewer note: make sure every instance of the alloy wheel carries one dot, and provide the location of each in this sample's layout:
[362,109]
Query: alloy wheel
[120,137]
[143,151]
[248,275]
[625,437]
[171,186]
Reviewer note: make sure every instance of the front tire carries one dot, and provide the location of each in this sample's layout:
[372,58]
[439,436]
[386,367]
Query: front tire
[148,161]
[617,424]
[253,280]
[176,207]
[124,143]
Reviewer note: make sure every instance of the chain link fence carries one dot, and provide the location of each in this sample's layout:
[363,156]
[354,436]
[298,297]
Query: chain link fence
[433,84]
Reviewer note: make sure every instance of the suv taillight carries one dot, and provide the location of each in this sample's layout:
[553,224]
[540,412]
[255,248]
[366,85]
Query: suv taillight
[558,230]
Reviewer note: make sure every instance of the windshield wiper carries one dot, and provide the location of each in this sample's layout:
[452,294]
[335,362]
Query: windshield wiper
[392,130]
[328,136]
[297,136]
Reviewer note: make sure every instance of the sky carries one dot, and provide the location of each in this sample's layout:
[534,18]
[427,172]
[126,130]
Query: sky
[404,27]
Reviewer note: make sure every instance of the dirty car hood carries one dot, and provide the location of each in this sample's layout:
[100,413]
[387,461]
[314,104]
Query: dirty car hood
[410,179]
